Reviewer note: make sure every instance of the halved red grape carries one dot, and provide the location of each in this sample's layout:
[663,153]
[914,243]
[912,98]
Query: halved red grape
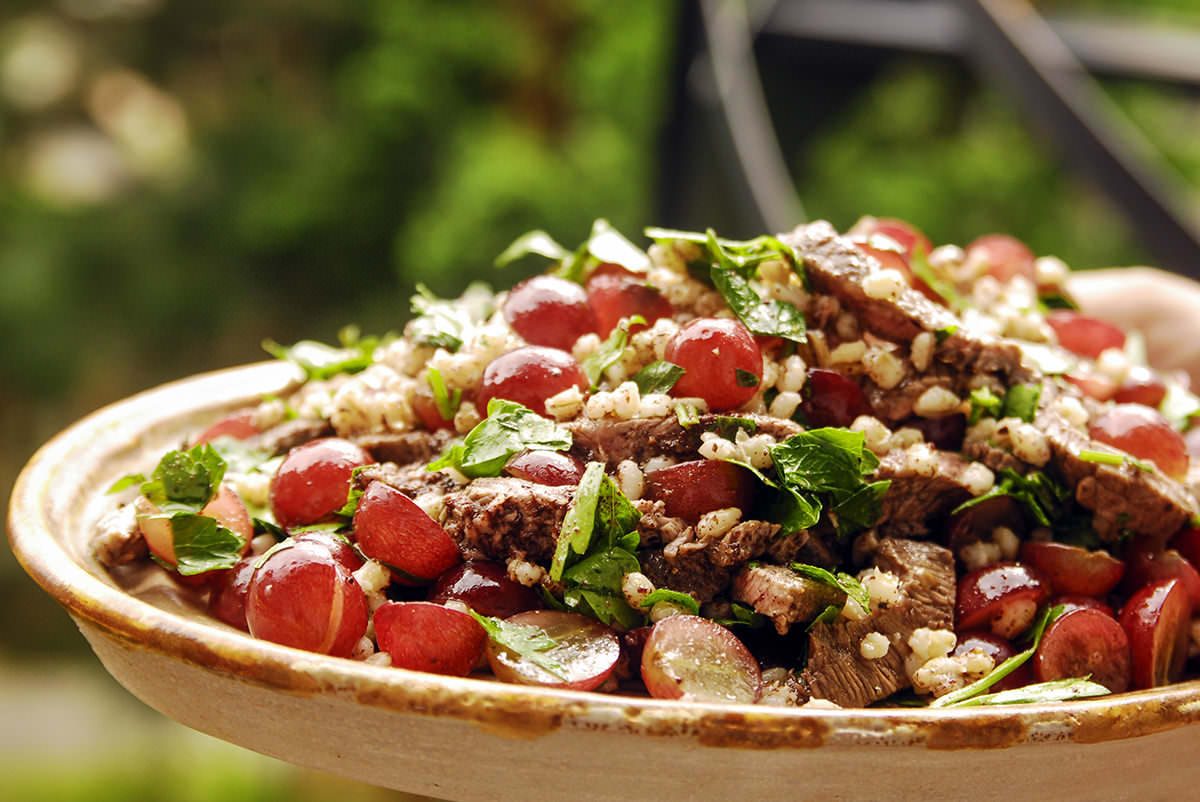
[1092,384]
[721,362]
[584,654]
[391,528]
[226,506]
[485,588]
[228,599]
[1141,386]
[690,489]
[529,376]
[1148,562]
[238,425]
[693,658]
[427,410]
[422,636]
[1187,542]
[615,293]
[1156,620]
[1002,256]
[550,311]
[339,547]
[831,399]
[1084,642]
[1003,597]
[314,480]
[1083,335]
[1072,602]
[1143,433]
[300,596]
[999,649]
[553,468]
[1072,569]
[904,234]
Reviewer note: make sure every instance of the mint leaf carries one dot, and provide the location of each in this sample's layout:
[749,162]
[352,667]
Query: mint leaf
[984,403]
[745,378]
[604,244]
[657,377]
[830,464]
[201,544]
[321,361]
[944,333]
[1021,401]
[530,643]
[536,242]
[186,478]
[684,600]
[743,615]
[840,580]
[355,492]
[609,351]
[508,429]
[727,426]
[1047,501]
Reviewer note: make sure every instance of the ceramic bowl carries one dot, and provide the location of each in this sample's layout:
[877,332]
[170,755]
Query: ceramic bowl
[477,739]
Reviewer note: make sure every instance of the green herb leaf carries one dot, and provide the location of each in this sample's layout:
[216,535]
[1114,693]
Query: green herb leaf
[944,333]
[186,478]
[727,426]
[984,403]
[954,698]
[1021,401]
[683,600]
[745,378]
[128,480]
[604,244]
[446,403]
[1109,458]
[321,361]
[508,429]
[201,544]
[355,492]
[1059,690]
[840,580]
[832,463]
[918,261]
[1047,501]
[529,642]
[1056,300]
[743,616]
[538,242]
[576,532]
[687,415]
[609,351]
[657,377]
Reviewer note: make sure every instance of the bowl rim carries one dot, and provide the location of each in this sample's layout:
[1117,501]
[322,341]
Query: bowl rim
[533,710]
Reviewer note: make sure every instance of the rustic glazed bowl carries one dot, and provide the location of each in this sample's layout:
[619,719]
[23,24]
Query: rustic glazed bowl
[477,739]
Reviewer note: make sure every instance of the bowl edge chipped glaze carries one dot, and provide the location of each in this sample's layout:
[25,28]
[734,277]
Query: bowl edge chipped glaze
[464,738]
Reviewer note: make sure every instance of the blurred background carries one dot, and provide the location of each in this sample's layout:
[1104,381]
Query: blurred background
[179,181]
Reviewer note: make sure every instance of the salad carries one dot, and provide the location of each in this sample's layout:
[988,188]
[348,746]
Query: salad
[805,469]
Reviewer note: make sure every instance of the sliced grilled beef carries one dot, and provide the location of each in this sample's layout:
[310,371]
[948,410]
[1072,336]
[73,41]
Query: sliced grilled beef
[687,570]
[506,517]
[836,669]
[283,437]
[837,267]
[639,439]
[783,595]
[918,495]
[411,480]
[1121,497]
[742,543]
[404,448]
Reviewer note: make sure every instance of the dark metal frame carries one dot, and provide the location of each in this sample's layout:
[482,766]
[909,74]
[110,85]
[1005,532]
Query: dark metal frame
[1043,63]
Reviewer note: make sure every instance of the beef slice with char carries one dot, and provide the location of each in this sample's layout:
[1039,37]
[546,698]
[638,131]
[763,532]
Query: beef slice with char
[836,669]
[918,495]
[403,448]
[783,595]
[639,439]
